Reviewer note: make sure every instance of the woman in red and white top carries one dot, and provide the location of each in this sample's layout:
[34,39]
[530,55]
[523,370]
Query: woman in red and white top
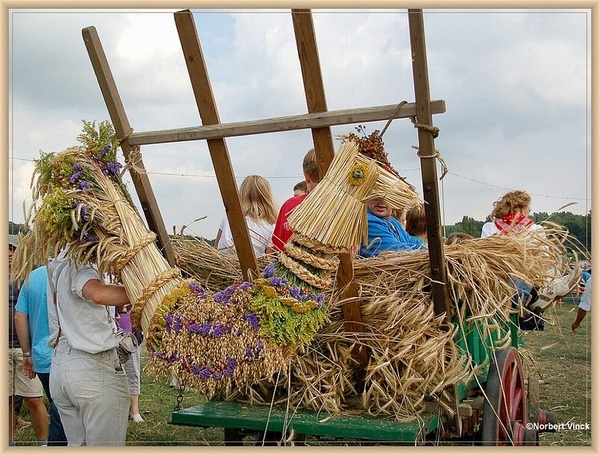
[510,215]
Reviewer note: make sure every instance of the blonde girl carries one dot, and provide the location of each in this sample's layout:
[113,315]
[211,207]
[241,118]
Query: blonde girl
[259,208]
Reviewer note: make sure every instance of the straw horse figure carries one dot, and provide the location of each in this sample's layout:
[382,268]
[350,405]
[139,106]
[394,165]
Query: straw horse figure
[219,342]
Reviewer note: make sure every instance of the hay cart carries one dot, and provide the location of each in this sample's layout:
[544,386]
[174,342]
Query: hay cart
[498,406]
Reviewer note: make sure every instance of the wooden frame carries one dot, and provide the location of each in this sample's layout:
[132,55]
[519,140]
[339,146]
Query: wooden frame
[318,119]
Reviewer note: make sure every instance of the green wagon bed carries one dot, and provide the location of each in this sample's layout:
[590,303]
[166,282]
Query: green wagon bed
[254,418]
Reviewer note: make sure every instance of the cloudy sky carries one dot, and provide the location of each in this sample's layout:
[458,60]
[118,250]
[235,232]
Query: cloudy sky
[516,85]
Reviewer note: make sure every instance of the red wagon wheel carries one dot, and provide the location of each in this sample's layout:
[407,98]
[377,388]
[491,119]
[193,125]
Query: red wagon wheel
[505,412]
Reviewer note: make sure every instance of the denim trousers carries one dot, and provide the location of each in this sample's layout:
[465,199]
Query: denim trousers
[91,395]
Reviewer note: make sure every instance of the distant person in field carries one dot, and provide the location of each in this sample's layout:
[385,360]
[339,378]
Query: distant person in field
[385,233]
[457,237]
[510,216]
[416,224]
[585,305]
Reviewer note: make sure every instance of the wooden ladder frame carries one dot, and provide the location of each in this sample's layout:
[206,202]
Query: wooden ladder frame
[318,119]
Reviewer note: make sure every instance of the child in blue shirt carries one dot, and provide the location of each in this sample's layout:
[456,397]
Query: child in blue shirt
[385,233]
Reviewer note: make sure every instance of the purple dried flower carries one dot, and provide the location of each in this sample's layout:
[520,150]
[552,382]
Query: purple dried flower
[77,173]
[205,329]
[277,281]
[83,210]
[169,321]
[252,319]
[296,292]
[177,324]
[319,298]
[245,286]
[113,167]
[231,364]
[85,237]
[103,152]
[194,328]
[269,270]
[224,295]
[84,185]
[198,290]
[205,372]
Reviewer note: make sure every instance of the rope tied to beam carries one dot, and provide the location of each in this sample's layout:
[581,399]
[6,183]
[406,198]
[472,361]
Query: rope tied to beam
[438,157]
[389,122]
[434,130]
[134,157]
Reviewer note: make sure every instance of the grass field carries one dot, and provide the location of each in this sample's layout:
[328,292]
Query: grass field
[561,358]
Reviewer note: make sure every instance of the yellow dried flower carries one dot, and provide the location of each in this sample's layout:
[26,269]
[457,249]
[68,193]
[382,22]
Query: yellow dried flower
[288,301]
[269,291]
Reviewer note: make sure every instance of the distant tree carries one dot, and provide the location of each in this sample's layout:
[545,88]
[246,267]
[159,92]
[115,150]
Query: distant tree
[468,225]
[15,228]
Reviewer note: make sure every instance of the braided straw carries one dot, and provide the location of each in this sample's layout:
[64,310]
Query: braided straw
[314,245]
[131,252]
[166,277]
[308,258]
[303,273]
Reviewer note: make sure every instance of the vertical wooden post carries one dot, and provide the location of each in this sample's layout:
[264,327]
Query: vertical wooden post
[219,154]
[123,130]
[441,301]
[323,141]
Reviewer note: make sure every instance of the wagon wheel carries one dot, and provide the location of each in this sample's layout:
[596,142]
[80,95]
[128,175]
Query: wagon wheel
[504,411]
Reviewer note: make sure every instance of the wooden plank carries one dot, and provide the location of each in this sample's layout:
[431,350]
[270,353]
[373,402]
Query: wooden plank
[225,414]
[323,141]
[281,124]
[120,122]
[219,154]
[441,301]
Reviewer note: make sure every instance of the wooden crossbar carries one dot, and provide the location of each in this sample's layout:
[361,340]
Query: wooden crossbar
[282,124]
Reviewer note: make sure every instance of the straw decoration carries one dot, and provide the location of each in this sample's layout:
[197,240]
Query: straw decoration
[81,204]
[413,359]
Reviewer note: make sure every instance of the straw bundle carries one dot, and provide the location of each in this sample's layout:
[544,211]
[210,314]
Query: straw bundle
[212,269]
[211,341]
[340,196]
[81,204]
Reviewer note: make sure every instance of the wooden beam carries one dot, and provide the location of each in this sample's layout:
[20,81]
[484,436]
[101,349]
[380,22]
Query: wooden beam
[120,122]
[280,124]
[323,141]
[219,154]
[427,154]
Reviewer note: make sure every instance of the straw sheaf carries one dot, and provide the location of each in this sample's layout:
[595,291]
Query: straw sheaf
[414,359]
[182,352]
[334,212]
[125,248]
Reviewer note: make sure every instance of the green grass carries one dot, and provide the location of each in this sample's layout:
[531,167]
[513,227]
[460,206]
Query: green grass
[563,361]
[561,358]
